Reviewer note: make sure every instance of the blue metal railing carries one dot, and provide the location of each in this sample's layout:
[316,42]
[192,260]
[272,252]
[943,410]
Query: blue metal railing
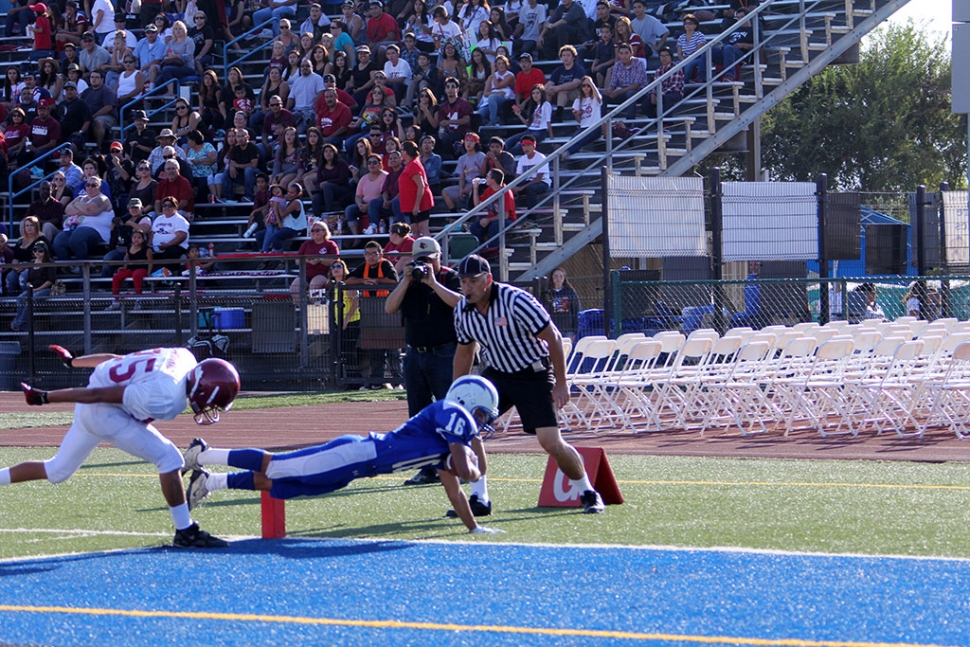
[36,162]
[258,28]
[154,91]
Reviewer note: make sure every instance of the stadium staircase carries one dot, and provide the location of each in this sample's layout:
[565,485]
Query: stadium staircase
[796,40]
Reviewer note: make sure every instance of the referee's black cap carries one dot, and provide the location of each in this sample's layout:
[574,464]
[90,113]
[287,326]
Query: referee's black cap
[473,265]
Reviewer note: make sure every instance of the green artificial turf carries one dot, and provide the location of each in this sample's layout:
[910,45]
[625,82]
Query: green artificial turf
[861,507]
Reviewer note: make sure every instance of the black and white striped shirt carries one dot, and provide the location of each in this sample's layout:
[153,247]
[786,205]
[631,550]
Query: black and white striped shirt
[507,331]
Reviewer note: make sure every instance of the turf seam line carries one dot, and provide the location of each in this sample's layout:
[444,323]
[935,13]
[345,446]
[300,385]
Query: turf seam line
[450,627]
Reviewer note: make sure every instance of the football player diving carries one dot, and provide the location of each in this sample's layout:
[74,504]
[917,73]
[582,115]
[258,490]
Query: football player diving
[440,436]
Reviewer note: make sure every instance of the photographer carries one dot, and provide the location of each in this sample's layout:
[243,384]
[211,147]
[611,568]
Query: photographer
[426,297]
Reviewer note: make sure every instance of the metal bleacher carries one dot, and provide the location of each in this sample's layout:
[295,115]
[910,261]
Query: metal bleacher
[797,39]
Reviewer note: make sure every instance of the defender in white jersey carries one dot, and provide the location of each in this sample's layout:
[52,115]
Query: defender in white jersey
[124,395]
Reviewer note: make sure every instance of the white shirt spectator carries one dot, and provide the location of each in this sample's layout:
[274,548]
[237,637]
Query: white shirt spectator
[304,90]
[525,163]
[532,19]
[400,71]
[165,229]
[109,41]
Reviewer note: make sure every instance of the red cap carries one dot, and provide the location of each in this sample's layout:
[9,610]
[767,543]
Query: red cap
[116,146]
[45,103]
[40,7]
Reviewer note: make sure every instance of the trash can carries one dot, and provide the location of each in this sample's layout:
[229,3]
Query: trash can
[9,351]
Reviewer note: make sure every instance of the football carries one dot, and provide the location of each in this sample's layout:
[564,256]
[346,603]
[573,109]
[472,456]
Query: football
[470,456]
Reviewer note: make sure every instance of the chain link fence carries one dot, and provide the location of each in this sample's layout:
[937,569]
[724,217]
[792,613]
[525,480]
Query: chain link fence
[249,311]
[654,306]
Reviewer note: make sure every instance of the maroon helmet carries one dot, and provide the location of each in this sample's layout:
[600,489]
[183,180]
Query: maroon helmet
[211,387]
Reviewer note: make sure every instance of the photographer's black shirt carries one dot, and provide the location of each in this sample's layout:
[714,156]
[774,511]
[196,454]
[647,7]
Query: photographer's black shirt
[429,321]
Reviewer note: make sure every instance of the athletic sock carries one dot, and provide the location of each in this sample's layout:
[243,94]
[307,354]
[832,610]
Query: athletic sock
[218,481]
[5,476]
[214,457]
[480,487]
[246,459]
[240,481]
[583,484]
[181,517]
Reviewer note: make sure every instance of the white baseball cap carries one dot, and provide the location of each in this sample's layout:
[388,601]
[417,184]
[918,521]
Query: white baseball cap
[425,246]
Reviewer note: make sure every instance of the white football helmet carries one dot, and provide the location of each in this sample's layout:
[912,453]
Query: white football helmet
[478,396]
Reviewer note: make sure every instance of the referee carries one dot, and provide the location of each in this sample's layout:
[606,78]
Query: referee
[525,361]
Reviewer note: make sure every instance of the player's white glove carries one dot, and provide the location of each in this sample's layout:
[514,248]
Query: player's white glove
[484,530]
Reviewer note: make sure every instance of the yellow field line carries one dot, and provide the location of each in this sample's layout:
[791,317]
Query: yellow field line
[883,486]
[434,626]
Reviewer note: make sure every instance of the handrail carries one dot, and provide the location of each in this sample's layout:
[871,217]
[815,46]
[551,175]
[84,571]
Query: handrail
[38,160]
[258,28]
[554,158]
[162,88]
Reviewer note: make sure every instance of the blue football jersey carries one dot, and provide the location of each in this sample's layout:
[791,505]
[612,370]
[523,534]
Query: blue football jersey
[423,440]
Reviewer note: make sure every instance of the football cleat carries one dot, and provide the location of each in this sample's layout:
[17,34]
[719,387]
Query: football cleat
[479,509]
[191,456]
[427,476]
[194,537]
[196,493]
[592,502]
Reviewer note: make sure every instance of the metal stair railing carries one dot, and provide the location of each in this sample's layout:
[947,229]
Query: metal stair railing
[554,159]
[775,38]
[37,162]
[160,90]
[226,64]
[788,85]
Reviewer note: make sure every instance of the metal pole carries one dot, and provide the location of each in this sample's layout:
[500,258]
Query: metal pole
[304,319]
[921,245]
[944,260]
[822,193]
[717,230]
[609,325]
[30,333]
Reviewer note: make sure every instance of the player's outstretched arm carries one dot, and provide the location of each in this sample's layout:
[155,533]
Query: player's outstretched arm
[84,361]
[108,394]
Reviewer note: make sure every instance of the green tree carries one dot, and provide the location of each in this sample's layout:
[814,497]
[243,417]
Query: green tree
[883,124]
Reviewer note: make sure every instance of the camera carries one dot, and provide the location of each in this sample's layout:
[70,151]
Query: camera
[421,269]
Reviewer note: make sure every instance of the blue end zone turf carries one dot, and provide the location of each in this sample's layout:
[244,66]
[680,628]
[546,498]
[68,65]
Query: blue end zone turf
[376,593]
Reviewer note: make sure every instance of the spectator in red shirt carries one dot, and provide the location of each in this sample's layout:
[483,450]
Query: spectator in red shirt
[488,226]
[452,120]
[43,34]
[174,185]
[45,134]
[275,122]
[527,79]
[414,192]
[399,246]
[382,28]
[333,117]
[317,269]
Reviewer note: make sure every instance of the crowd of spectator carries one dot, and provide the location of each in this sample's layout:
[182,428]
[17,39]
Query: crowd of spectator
[360,106]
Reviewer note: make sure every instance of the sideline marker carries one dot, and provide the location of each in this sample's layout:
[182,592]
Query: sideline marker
[274,517]
[557,490]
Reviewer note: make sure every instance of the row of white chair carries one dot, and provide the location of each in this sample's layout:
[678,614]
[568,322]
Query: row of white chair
[869,377]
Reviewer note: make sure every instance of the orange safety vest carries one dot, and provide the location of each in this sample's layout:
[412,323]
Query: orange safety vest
[380,275]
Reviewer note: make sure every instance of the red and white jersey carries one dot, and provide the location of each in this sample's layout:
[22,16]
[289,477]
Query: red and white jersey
[154,381]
